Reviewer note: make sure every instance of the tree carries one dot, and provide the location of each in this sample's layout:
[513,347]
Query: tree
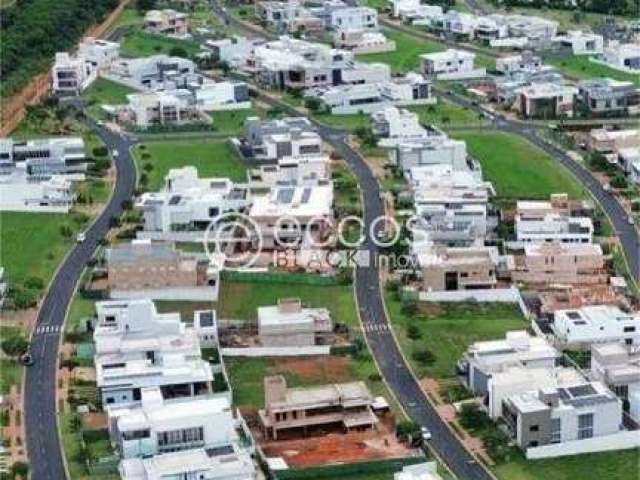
[20,470]
[407,429]
[178,52]
[424,357]
[14,346]
[312,103]
[34,283]
[144,5]
[65,231]
[619,181]
[413,332]
[472,418]
[409,307]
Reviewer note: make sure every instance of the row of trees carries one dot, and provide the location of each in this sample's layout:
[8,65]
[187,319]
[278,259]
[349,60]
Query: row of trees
[609,7]
[33,31]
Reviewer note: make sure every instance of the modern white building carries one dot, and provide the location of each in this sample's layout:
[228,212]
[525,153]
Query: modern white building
[353,18]
[138,348]
[19,193]
[435,149]
[147,109]
[71,74]
[226,95]
[299,170]
[287,215]
[100,53]
[523,62]
[451,64]
[624,57]
[419,471]
[154,72]
[166,22]
[267,141]
[581,43]
[546,100]
[189,203]
[363,41]
[482,359]
[540,222]
[43,157]
[233,51]
[157,426]
[596,324]
[393,125]
[289,324]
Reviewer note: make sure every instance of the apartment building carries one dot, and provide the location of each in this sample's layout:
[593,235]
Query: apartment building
[546,100]
[190,203]
[289,324]
[363,41]
[136,348]
[565,413]
[297,64]
[582,327]
[299,170]
[605,96]
[580,43]
[288,215]
[484,358]
[224,463]
[456,268]
[412,89]
[524,62]
[166,22]
[560,263]
[150,109]
[624,57]
[347,405]
[451,64]
[393,125]
[158,426]
[43,157]
[618,367]
[551,222]
[145,268]
[287,137]
[453,199]
[71,74]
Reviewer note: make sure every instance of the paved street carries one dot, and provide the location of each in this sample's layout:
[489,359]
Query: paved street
[43,447]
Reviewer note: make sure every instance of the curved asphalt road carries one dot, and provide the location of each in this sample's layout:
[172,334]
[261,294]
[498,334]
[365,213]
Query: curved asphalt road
[43,443]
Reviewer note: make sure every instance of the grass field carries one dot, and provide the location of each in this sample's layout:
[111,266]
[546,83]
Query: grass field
[518,169]
[231,122]
[32,244]
[10,374]
[615,465]
[582,68]
[141,44]
[406,56]
[211,158]
[447,329]
[106,91]
[350,122]
[445,114]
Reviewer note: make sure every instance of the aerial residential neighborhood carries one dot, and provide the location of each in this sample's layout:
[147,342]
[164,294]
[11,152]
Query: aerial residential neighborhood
[319,240]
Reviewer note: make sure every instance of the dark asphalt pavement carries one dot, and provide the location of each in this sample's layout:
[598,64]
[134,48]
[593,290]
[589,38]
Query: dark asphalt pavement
[43,445]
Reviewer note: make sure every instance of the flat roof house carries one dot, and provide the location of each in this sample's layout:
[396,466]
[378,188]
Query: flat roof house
[561,263]
[43,157]
[20,193]
[353,18]
[100,53]
[484,358]
[345,404]
[581,43]
[551,222]
[524,62]
[618,367]
[298,170]
[561,414]
[363,41]
[156,71]
[289,324]
[287,215]
[138,348]
[268,141]
[605,96]
[624,57]
[451,64]
[189,203]
[546,100]
[71,74]
[392,125]
[166,22]
[436,148]
[148,109]
[596,324]
[158,426]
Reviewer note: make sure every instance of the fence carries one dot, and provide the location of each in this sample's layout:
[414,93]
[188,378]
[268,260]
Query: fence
[377,468]
[14,109]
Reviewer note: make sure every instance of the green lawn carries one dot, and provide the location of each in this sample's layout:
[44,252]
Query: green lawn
[130,17]
[105,91]
[518,169]
[445,114]
[32,245]
[447,329]
[231,122]
[406,56]
[211,158]
[10,374]
[350,122]
[141,44]
[582,68]
[616,465]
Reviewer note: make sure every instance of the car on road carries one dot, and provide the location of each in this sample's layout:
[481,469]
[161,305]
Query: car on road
[426,433]
[114,153]
[26,359]
[606,187]
[81,237]
[631,220]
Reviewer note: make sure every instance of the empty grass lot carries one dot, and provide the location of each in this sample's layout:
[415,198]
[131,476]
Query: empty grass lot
[211,158]
[231,122]
[581,67]
[32,245]
[518,169]
[106,91]
[406,56]
[141,44]
[10,374]
[615,465]
[444,114]
[447,329]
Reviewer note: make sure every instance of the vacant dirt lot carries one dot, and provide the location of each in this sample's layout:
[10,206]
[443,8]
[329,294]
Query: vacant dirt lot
[339,448]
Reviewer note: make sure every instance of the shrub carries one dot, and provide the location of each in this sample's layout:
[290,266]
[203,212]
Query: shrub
[424,357]
[409,307]
[407,429]
[14,346]
[312,104]
[472,418]
[34,283]
[619,181]
[413,332]
[100,151]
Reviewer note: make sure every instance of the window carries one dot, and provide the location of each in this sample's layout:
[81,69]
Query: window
[534,428]
[585,426]
[173,439]
[629,329]
[556,429]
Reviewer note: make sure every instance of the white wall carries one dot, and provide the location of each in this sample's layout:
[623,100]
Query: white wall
[621,440]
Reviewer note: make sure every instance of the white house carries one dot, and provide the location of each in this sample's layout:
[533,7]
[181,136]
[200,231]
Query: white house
[546,100]
[393,125]
[72,74]
[137,348]
[624,57]
[353,18]
[43,157]
[363,41]
[100,53]
[518,348]
[541,222]
[418,471]
[20,194]
[451,64]
[596,324]
[189,203]
[267,141]
[227,95]
[298,170]
[581,43]
[524,62]
[154,72]
[289,324]
[233,51]
[436,148]
[287,214]
[147,109]
[166,22]
[158,426]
